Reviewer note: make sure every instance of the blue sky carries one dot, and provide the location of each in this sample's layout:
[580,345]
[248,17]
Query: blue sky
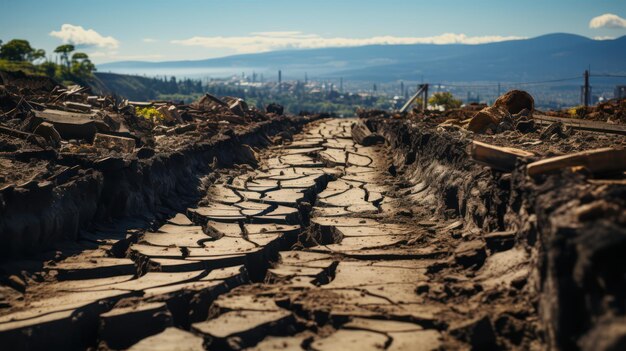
[157,30]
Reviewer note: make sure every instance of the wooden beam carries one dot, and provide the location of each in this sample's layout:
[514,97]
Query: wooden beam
[415,96]
[496,157]
[602,160]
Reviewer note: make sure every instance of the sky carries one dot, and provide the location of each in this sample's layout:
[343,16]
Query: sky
[157,30]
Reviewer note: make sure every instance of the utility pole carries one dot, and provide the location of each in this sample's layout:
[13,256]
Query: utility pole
[280,80]
[306,78]
[499,91]
[586,91]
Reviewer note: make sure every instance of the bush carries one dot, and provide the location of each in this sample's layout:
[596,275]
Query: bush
[150,113]
[445,99]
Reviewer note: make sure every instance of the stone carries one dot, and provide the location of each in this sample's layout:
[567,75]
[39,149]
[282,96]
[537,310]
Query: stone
[470,253]
[47,131]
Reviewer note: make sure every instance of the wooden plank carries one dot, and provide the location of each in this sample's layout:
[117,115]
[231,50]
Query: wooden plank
[583,124]
[410,101]
[497,157]
[602,160]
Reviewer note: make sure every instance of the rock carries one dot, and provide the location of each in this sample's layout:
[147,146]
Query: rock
[512,102]
[470,253]
[274,108]
[47,131]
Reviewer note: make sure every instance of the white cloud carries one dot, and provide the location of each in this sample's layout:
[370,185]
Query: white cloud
[608,20]
[605,37]
[266,41]
[80,36]
[149,40]
[114,55]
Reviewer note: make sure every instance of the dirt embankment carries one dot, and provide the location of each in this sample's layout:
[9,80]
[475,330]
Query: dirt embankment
[570,228]
[69,158]
[37,214]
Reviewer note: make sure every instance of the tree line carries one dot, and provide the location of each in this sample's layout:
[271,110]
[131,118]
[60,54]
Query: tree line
[19,54]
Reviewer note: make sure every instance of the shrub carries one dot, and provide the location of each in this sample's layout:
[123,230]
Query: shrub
[445,99]
[150,113]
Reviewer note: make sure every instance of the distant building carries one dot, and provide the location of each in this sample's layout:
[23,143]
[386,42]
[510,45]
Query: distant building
[620,92]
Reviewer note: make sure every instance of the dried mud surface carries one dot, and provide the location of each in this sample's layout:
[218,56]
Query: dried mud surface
[323,244]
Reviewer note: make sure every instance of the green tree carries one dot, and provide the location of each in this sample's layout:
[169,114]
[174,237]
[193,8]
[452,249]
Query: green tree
[445,99]
[48,68]
[37,55]
[79,56]
[16,50]
[82,65]
[65,50]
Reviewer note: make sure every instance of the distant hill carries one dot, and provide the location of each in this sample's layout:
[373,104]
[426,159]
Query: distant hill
[129,86]
[550,56]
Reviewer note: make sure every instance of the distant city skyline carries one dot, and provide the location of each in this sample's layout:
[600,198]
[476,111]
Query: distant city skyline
[188,30]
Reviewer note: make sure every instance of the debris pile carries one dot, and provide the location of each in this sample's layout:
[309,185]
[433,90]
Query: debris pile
[68,124]
[612,111]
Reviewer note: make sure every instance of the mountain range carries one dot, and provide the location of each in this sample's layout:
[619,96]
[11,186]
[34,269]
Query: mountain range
[551,56]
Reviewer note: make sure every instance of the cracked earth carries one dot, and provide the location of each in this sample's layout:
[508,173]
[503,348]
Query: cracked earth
[321,247]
